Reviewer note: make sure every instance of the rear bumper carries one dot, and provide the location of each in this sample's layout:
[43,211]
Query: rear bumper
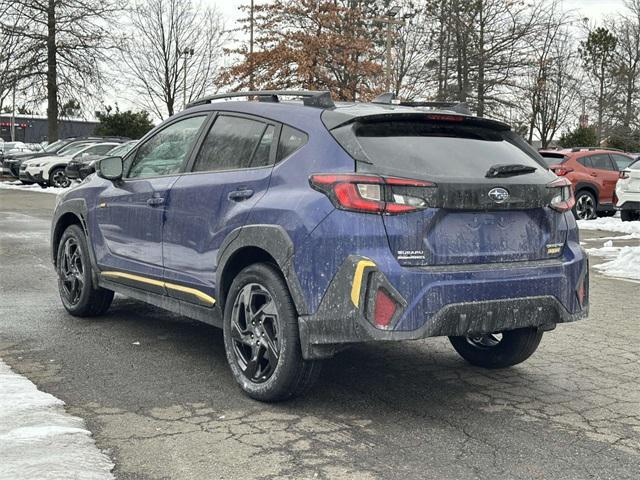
[452,301]
[629,205]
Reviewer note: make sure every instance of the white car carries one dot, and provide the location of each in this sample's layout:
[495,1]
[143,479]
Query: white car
[628,192]
[50,170]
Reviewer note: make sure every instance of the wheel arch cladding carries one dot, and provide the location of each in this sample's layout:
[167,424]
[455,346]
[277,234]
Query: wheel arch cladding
[63,222]
[254,244]
[589,187]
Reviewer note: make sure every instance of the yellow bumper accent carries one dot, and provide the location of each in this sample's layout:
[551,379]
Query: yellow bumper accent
[158,283]
[357,280]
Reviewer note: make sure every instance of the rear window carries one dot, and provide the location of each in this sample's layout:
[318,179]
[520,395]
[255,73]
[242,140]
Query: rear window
[551,158]
[434,149]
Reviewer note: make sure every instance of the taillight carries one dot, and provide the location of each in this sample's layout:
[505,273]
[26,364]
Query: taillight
[373,193]
[562,171]
[563,199]
[624,174]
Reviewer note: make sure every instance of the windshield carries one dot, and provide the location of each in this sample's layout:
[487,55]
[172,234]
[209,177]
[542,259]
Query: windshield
[122,150]
[55,146]
[73,149]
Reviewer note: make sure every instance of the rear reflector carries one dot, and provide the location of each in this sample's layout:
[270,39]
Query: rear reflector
[385,308]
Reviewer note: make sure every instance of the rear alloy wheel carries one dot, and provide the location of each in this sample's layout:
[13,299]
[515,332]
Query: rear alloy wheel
[498,350]
[261,337]
[58,179]
[73,266]
[585,207]
[629,215]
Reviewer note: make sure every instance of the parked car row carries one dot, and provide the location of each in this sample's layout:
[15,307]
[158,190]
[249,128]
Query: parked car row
[47,167]
[599,177]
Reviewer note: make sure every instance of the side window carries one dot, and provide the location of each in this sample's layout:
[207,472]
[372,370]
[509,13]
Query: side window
[261,155]
[585,162]
[231,144]
[621,161]
[164,153]
[100,149]
[290,141]
[601,162]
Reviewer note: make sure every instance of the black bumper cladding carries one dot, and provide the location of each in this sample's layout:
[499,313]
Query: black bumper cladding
[340,321]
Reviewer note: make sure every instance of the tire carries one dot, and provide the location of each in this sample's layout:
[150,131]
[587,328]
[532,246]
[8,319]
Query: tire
[585,207]
[58,179]
[265,357]
[629,215]
[488,351]
[75,286]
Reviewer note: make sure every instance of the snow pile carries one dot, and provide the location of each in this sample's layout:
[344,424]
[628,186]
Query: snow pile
[38,440]
[624,264]
[610,224]
[18,185]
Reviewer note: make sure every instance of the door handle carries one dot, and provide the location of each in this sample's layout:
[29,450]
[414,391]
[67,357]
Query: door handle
[239,195]
[155,201]
[593,174]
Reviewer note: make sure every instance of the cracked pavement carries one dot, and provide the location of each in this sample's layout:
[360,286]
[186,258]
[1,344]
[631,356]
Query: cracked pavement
[168,408]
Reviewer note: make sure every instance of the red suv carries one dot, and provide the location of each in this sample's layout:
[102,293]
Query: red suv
[593,173]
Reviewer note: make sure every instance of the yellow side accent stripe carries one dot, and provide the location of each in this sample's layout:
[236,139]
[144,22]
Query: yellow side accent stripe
[158,283]
[357,280]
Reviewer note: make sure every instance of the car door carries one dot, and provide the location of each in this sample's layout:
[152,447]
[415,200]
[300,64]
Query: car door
[230,173]
[130,213]
[605,175]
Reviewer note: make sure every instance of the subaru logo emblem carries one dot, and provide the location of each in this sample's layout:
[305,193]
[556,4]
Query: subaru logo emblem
[498,194]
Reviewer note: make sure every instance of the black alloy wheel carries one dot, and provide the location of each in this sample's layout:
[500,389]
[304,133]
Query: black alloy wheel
[255,328]
[71,271]
[58,179]
[585,208]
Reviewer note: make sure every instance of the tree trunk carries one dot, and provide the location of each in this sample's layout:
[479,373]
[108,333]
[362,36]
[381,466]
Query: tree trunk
[480,109]
[52,74]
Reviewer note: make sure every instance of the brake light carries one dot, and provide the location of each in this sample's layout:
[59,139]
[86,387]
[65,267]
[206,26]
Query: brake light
[373,193]
[624,174]
[563,199]
[562,171]
[385,309]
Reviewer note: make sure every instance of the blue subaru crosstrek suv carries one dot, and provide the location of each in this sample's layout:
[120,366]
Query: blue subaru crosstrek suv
[302,227]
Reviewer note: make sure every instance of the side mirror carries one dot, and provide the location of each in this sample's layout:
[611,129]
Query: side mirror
[110,168]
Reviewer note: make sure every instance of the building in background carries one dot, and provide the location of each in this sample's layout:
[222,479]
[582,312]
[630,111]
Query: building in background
[33,128]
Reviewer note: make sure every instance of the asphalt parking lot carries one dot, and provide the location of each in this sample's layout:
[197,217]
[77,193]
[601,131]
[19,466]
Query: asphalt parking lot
[155,389]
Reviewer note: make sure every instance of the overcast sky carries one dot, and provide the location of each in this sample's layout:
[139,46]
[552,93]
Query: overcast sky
[594,9]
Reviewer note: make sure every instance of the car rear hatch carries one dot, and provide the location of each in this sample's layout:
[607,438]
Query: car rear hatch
[630,178]
[486,194]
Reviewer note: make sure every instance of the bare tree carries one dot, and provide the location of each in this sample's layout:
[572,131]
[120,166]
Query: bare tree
[164,37]
[63,43]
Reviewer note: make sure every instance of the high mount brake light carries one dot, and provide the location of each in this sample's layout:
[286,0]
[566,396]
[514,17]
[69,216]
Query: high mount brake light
[563,200]
[371,193]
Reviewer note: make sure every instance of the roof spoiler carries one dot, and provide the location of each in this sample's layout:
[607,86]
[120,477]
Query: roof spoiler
[390,98]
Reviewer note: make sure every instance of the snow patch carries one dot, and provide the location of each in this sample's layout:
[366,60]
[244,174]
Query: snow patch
[17,185]
[624,263]
[610,224]
[38,439]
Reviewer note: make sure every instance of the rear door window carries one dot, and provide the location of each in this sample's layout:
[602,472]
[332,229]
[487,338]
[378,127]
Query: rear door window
[428,149]
[233,143]
[601,161]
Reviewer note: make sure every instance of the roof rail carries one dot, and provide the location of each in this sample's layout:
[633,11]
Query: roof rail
[591,149]
[310,98]
[390,98]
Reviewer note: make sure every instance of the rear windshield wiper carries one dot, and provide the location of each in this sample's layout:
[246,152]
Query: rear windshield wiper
[509,170]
